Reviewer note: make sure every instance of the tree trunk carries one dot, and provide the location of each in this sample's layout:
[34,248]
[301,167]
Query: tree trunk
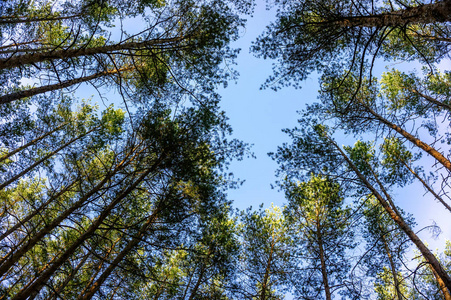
[392,267]
[58,86]
[13,256]
[26,59]
[37,163]
[432,13]
[61,287]
[431,100]
[440,199]
[130,245]
[36,286]
[37,210]
[103,260]
[17,20]
[323,262]
[417,142]
[442,275]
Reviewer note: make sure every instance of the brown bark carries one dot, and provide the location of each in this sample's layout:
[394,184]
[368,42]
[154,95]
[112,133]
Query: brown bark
[442,275]
[431,99]
[61,287]
[432,13]
[265,280]
[130,245]
[58,86]
[14,256]
[99,267]
[8,155]
[17,20]
[440,199]
[36,286]
[33,58]
[417,142]
[37,163]
[392,267]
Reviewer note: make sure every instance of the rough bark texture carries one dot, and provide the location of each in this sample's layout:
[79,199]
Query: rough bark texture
[323,262]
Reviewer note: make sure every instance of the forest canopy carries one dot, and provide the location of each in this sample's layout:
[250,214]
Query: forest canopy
[123,195]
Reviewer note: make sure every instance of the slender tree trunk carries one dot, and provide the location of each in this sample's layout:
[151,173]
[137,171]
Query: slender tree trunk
[17,20]
[36,286]
[323,262]
[431,99]
[442,275]
[432,13]
[440,199]
[392,267]
[26,59]
[36,211]
[198,282]
[265,281]
[61,287]
[37,163]
[99,268]
[58,86]
[13,256]
[33,142]
[417,142]
[130,245]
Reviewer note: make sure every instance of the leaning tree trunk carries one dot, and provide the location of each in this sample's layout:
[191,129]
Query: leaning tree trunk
[416,141]
[442,276]
[58,86]
[12,257]
[432,13]
[36,286]
[31,143]
[130,245]
[37,163]
[27,59]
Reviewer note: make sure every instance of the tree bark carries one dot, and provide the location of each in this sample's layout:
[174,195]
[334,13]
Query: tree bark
[37,163]
[323,262]
[417,142]
[36,286]
[392,267]
[14,256]
[442,275]
[36,211]
[17,20]
[130,245]
[58,86]
[432,13]
[440,199]
[33,58]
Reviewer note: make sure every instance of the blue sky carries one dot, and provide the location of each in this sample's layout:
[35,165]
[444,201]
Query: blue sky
[258,116]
